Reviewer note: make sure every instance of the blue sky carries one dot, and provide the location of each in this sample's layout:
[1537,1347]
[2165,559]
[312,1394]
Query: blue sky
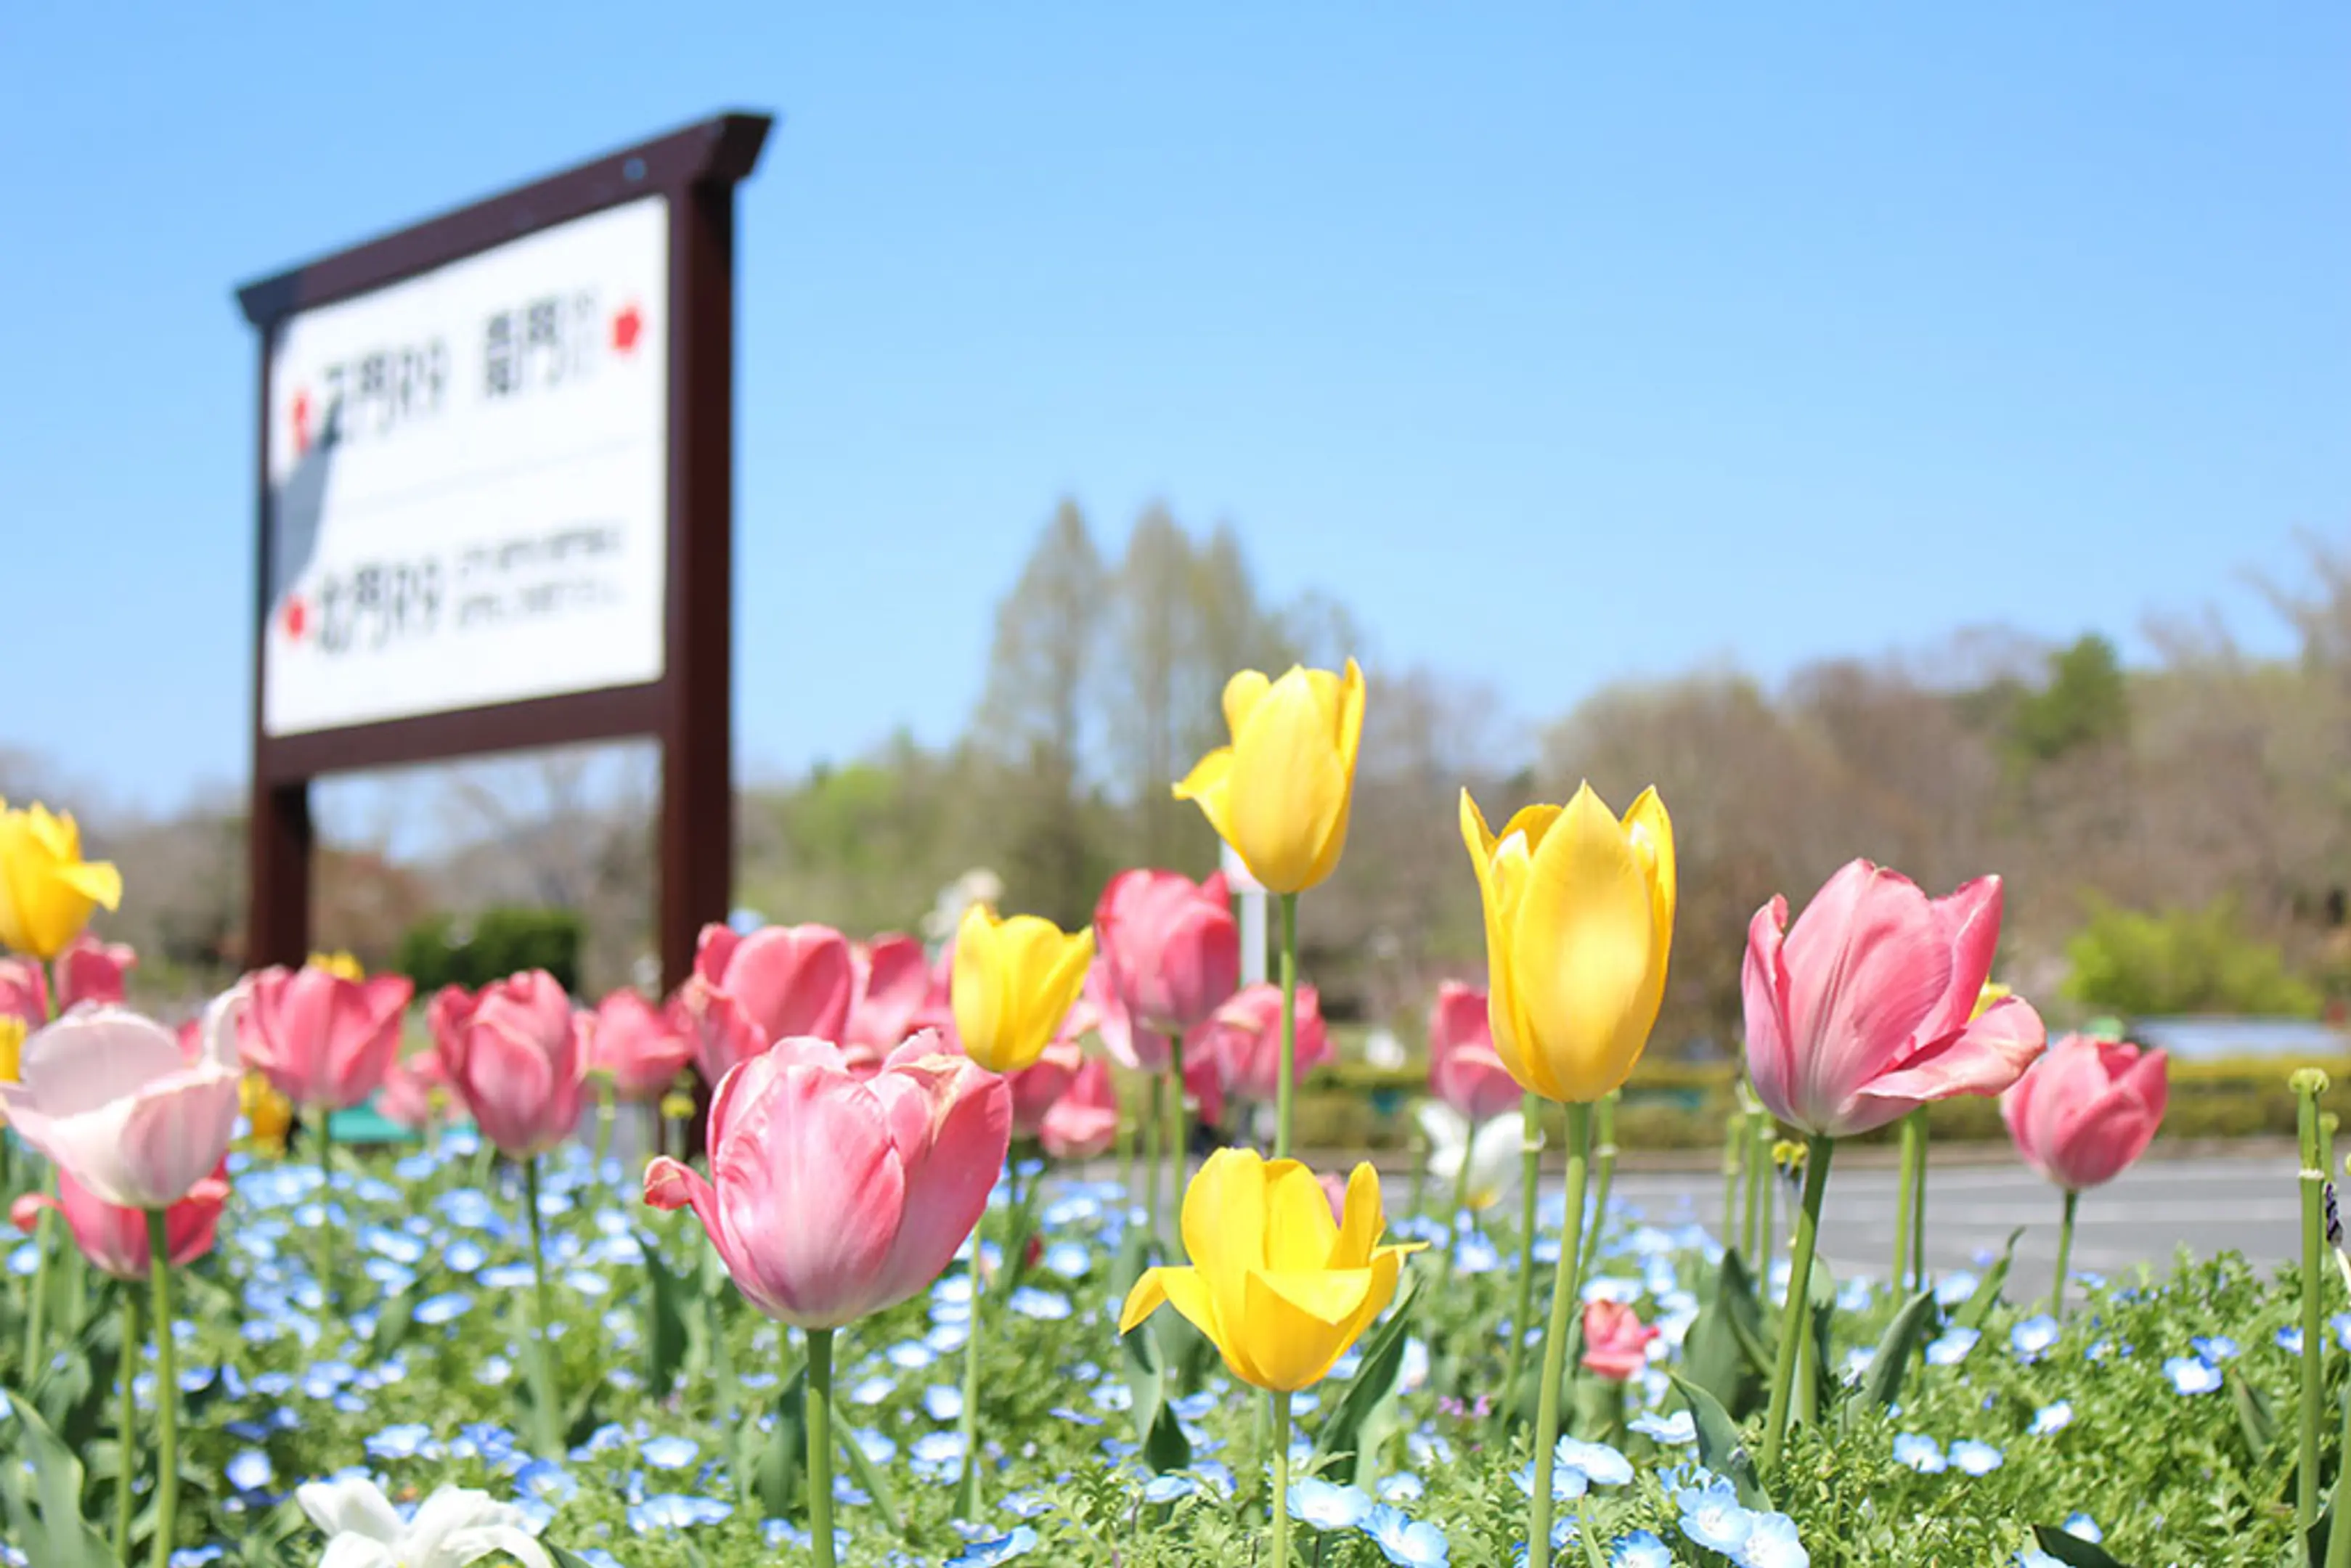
[1563,342]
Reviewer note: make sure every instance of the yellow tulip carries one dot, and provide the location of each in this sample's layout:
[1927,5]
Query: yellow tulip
[1990,994]
[266,1111]
[47,889]
[339,964]
[1579,924]
[12,1047]
[1015,981]
[1280,1286]
[1280,794]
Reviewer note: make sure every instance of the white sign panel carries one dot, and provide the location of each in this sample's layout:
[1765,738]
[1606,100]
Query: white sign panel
[469,481]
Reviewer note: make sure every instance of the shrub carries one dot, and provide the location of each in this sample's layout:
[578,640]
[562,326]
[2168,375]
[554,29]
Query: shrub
[445,950]
[2181,961]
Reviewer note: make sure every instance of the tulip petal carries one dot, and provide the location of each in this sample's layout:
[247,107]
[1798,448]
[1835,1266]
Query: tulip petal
[1582,950]
[1224,1225]
[1985,1058]
[97,881]
[172,1135]
[948,1180]
[1209,787]
[1297,1322]
[812,1208]
[1351,1246]
[1289,787]
[1298,1229]
[87,1059]
[1763,986]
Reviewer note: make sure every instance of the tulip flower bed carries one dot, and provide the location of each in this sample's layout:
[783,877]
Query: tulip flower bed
[2155,1414]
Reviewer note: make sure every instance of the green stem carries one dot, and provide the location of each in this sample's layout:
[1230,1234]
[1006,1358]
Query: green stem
[1766,1177]
[1603,1156]
[2339,1541]
[818,1405]
[326,1241]
[1530,1174]
[1565,1291]
[2064,1257]
[1179,1138]
[1453,1223]
[544,1397]
[1918,1206]
[126,1426]
[2307,1088]
[167,1391]
[1757,1164]
[1288,1067]
[1792,1318]
[607,1111]
[1734,1161]
[967,1485]
[1276,1507]
[1152,1120]
[1913,1151]
[36,1315]
[1586,1533]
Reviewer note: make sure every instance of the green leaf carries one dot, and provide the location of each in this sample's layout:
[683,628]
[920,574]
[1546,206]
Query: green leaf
[563,1559]
[1165,1447]
[861,1467]
[1896,1348]
[1723,1352]
[775,1471]
[1980,1305]
[1341,1439]
[2254,1418]
[665,1336]
[1718,1445]
[2072,1550]
[45,1523]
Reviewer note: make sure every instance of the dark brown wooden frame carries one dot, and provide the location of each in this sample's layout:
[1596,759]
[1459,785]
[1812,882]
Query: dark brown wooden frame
[690,709]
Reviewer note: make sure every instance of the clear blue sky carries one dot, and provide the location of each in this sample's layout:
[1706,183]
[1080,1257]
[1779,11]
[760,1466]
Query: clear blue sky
[1565,342]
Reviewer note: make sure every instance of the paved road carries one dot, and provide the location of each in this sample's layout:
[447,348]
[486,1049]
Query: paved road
[2247,1204]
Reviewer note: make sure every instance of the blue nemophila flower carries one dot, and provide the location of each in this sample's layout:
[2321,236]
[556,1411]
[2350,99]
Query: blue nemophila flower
[2082,1527]
[2192,1374]
[2052,1418]
[671,1511]
[1773,1543]
[1003,1549]
[1713,1516]
[447,1307]
[547,1481]
[1324,1506]
[874,1445]
[1403,1487]
[1640,1550]
[911,1355]
[935,1454]
[404,1441]
[1953,1346]
[669,1452]
[2216,1347]
[1026,1505]
[1672,1430]
[1599,1464]
[1194,1406]
[1567,1482]
[1045,1306]
[784,1532]
[943,1402]
[1114,1396]
[2289,1339]
[508,1276]
[1953,1289]
[1406,1543]
[872,1391]
[1920,1452]
[1976,1458]
[464,1255]
[250,1470]
[1167,1488]
[1075,1418]
[1067,1259]
[2033,1337]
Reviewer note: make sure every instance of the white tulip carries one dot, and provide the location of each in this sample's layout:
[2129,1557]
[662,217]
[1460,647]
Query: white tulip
[453,1527]
[1493,1151]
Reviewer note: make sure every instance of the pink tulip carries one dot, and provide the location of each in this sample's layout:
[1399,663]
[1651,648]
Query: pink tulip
[891,981]
[1084,1121]
[409,1089]
[449,1004]
[2087,1109]
[1464,1071]
[322,1040]
[519,1062]
[1243,1038]
[24,992]
[89,970]
[640,1047]
[832,1197]
[1172,948]
[1036,1087]
[1142,1050]
[1861,1013]
[115,1103]
[114,1239]
[747,992]
[1615,1340]
[1334,1193]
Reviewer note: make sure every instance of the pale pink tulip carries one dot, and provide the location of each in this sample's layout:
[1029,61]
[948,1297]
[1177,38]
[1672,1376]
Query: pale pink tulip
[114,1239]
[1243,1038]
[747,992]
[1172,948]
[322,1040]
[891,981]
[1861,1013]
[832,1197]
[518,1063]
[1036,1087]
[1464,1070]
[415,1093]
[24,992]
[115,1103]
[1084,1121]
[640,1047]
[2087,1109]
[89,970]
[1615,1340]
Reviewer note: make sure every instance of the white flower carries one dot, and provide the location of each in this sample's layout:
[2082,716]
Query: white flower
[453,1527]
[1493,1151]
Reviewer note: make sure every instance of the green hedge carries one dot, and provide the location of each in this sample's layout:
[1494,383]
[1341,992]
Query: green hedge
[446,951]
[1680,1106]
